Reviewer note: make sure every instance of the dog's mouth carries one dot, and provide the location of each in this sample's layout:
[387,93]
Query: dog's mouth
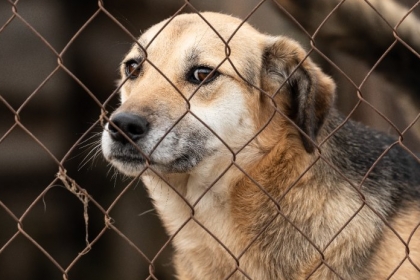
[182,160]
[125,157]
[128,155]
[129,159]
[129,163]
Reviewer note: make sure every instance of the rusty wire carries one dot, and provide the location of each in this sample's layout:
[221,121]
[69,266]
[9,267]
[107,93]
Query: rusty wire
[87,200]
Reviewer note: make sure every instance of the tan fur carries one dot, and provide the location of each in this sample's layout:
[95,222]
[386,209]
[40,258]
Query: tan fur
[263,204]
[393,250]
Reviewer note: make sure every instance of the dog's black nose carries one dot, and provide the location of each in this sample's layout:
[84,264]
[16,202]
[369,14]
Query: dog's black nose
[133,126]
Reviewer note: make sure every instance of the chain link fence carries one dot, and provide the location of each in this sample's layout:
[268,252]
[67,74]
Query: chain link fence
[64,212]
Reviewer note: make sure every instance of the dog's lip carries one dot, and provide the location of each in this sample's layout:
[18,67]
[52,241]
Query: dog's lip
[128,159]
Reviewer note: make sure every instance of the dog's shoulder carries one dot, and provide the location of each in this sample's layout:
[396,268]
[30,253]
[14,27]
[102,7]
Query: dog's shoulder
[377,161]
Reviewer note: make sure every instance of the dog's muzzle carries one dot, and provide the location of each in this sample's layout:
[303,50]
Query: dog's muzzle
[131,143]
[124,132]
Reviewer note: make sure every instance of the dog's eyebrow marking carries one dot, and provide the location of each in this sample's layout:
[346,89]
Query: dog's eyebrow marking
[193,55]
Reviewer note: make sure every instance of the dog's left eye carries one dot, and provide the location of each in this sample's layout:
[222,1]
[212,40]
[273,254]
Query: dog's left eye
[132,69]
[202,74]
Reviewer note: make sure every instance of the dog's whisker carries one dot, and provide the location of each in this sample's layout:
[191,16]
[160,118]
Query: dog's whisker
[91,156]
[94,135]
[88,145]
[146,212]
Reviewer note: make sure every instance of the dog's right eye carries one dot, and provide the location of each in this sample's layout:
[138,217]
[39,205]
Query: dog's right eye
[132,69]
[202,74]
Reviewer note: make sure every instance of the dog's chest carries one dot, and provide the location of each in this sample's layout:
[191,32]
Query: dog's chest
[205,235]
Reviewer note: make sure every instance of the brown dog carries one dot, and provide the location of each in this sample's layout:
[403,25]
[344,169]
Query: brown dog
[250,168]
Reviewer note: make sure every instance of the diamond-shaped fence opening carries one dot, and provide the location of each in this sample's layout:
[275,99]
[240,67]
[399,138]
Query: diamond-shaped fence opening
[66,213]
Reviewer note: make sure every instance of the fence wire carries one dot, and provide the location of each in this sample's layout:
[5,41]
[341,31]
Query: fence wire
[64,212]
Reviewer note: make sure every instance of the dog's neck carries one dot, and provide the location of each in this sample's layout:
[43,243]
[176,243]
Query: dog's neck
[197,200]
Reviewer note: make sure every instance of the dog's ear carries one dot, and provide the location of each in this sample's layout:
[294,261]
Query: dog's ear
[304,92]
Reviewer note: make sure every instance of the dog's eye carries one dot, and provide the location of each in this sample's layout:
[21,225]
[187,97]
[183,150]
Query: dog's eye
[132,69]
[202,74]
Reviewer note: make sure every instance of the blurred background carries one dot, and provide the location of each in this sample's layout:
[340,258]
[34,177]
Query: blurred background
[55,109]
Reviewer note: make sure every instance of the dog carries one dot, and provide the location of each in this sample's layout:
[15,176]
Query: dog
[253,172]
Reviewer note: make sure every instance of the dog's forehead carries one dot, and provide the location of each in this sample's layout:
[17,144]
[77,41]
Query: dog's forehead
[222,24]
[209,33]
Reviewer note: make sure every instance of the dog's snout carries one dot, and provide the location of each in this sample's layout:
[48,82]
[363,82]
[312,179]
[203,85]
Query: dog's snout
[132,126]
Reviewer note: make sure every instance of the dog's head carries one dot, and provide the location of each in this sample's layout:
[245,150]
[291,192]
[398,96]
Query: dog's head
[195,90]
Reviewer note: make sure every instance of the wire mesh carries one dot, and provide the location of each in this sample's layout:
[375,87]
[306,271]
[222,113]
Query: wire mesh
[62,216]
